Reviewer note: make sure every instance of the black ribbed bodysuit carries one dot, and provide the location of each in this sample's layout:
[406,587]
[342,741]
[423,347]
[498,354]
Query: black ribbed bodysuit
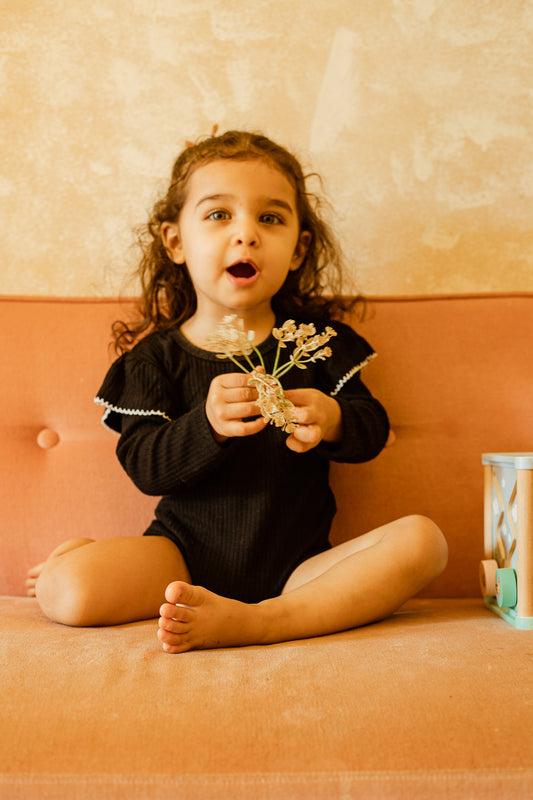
[244,514]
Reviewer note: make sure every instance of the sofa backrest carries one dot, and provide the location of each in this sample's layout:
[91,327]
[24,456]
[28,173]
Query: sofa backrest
[456,375]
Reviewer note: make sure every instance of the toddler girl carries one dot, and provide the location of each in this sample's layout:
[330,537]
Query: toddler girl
[239,545]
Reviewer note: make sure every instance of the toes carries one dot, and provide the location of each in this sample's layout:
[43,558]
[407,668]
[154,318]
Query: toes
[173,626]
[182,593]
[171,642]
[181,613]
[169,648]
[31,579]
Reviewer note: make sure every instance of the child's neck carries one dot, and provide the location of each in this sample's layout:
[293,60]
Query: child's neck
[199,328]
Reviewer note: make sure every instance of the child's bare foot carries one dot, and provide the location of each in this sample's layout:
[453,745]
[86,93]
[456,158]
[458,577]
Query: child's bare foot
[197,619]
[31,578]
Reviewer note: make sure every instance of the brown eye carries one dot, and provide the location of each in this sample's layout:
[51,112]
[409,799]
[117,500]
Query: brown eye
[218,216]
[272,219]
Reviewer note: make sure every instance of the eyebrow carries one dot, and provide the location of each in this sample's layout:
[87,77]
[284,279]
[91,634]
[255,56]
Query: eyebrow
[268,201]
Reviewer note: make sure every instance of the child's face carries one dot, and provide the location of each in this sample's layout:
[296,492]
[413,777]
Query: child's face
[239,234]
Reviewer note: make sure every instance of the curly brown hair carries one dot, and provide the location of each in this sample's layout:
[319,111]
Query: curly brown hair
[168,297]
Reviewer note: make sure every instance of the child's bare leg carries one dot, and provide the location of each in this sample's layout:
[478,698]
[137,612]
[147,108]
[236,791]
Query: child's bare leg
[110,581]
[358,582]
[35,571]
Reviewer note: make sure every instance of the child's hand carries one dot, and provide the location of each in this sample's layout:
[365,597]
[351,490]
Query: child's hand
[229,402]
[319,419]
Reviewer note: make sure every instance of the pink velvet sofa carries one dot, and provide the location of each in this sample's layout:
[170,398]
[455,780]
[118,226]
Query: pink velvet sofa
[435,702]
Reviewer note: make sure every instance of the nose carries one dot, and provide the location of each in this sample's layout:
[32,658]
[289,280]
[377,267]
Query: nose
[246,232]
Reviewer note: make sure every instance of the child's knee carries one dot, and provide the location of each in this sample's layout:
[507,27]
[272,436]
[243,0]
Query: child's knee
[62,596]
[428,542]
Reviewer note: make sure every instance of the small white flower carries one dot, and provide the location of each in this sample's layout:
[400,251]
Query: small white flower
[230,338]
[322,354]
[303,334]
[287,332]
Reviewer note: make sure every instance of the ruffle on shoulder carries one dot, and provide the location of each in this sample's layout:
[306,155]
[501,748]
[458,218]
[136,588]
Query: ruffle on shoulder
[133,387]
[351,353]
[351,372]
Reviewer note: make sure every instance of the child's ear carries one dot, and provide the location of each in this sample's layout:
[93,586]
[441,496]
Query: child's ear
[170,236]
[301,250]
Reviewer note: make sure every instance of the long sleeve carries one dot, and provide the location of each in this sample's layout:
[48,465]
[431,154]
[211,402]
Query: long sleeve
[163,457]
[365,427]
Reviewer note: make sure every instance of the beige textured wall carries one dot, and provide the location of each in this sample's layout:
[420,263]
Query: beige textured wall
[417,113]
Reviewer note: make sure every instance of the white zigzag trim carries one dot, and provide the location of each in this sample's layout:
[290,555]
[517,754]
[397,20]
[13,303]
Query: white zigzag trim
[131,412]
[351,373]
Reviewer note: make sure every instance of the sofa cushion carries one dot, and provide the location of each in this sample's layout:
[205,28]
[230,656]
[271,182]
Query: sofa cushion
[434,702]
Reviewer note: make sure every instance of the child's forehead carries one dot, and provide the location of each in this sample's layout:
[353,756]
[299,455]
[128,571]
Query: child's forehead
[232,176]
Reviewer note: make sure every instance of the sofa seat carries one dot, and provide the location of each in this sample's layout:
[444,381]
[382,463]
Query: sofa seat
[435,702]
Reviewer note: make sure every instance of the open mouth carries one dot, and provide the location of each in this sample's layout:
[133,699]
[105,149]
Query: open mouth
[243,269]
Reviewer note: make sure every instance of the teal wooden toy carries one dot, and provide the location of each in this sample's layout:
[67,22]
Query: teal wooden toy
[506,574]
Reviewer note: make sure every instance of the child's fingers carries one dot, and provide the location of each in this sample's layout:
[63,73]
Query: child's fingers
[230,380]
[231,406]
[300,397]
[229,429]
[318,415]
[304,438]
[241,427]
[309,404]
[235,420]
[234,403]
[232,388]
[231,411]
[244,394]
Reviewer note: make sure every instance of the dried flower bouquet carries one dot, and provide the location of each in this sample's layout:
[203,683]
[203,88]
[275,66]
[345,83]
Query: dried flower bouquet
[231,340]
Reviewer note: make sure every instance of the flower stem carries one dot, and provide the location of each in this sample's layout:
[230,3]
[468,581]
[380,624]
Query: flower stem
[231,358]
[278,351]
[251,363]
[285,368]
[260,357]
